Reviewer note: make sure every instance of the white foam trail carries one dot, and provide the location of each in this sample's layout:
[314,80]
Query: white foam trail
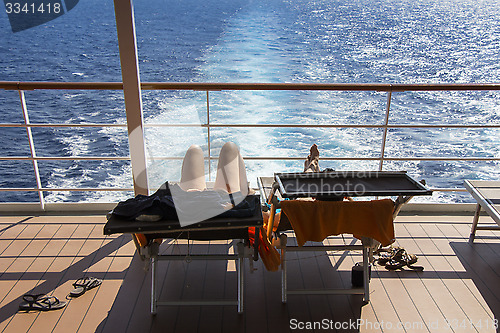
[325,42]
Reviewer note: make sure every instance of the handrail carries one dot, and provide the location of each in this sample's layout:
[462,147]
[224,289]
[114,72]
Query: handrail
[215,86]
[208,87]
[66,189]
[56,125]
[250,158]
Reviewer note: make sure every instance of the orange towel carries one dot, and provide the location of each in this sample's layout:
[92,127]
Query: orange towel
[268,253]
[316,220]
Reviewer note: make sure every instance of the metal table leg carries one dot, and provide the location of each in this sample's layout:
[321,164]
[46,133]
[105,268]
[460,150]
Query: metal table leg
[283,240]
[154,299]
[366,275]
[241,286]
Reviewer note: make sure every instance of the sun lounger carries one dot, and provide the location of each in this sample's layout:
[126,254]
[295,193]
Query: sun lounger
[487,196]
[189,210]
[216,228]
[329,214]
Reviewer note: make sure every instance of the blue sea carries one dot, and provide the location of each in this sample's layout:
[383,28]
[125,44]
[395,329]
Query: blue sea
[322,41]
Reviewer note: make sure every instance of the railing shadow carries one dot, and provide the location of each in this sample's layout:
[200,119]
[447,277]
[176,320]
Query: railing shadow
[482,264]
[263,311]
[54,279]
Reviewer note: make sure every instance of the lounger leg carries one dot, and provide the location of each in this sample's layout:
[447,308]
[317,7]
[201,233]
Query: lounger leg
[240,277]
[366,275]
[475,221]
[283,240]
[154,263]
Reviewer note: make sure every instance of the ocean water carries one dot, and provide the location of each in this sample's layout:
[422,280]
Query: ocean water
[360,41]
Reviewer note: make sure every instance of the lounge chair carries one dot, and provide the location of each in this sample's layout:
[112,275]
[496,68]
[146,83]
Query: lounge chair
[232,224]
[487,196]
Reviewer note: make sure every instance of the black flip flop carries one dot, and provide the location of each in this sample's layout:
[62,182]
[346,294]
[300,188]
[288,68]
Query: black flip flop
[40,302]
[83,284]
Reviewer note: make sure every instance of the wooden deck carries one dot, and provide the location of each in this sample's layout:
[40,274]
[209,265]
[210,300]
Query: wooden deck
[459,291]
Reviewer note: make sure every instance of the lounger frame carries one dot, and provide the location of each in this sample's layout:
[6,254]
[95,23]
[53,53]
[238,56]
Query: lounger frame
[217,228]
[154,257]
[485,203]
[365,247]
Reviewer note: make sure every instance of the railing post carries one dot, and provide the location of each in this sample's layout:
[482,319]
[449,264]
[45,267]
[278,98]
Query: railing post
[125,27]
[32,149]
[208,139]
[384,134]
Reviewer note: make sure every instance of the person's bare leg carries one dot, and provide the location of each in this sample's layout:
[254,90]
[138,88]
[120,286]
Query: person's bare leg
[193,170]
[231,173]
[312,162]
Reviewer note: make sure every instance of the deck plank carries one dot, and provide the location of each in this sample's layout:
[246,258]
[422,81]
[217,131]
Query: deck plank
[77,308]
[276,312]
[480,281]
[381,307]
[29,272]
[422,289]
[58,280]
[124,278]
[340,306]
[47,253]
[459,284]
[443,296]
[192,289]
[209,317]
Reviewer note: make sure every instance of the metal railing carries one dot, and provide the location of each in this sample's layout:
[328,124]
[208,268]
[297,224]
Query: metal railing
[208,87]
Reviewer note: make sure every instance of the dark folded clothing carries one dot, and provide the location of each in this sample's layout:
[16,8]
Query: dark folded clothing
[159,203]
[191,207]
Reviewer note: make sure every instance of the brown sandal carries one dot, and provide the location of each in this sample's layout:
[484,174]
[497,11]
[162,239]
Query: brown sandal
[401,259]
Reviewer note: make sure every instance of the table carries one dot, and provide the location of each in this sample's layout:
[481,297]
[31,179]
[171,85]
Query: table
[335,186]
[339,184]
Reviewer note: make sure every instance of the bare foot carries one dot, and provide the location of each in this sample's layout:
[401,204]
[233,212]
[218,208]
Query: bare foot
[312,162]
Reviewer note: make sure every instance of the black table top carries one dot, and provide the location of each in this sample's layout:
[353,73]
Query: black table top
[348,184]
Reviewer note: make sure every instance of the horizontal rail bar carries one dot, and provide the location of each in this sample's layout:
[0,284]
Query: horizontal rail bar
[375,158]
[196,302]
[34,125]
[69,158]
[184,257]
[327,125]
[203,86]
[65,189]
[338,125]
[441,158]
[351,291]
[448,189]
[319,86]
[314,248]
[117,189]
[13,85]
[250,158]
[488,227]
[443,126]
